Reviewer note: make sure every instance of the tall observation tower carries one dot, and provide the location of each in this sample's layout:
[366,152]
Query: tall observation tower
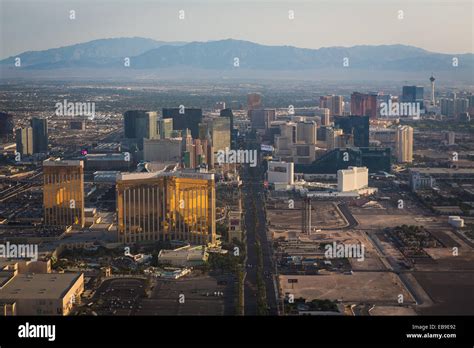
[432,80]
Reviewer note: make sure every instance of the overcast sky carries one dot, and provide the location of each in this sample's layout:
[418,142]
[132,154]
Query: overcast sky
[436,25]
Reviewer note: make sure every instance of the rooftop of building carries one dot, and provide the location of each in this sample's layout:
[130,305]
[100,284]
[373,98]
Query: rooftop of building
[180,174]
[62,163]
[105,156]
[42,286]
[354,170]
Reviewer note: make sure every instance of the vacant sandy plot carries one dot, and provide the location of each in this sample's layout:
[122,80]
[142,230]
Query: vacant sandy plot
[365,287]
[446,261]
[376,220]
[323,215]
[391,217]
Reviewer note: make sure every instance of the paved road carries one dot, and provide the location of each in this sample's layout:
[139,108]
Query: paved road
[255,224]
[344,209]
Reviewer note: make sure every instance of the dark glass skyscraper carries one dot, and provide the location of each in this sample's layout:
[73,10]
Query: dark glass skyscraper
[140,124]
[6,126]
[40,135]
[413,94]
[188,118]
[358,126]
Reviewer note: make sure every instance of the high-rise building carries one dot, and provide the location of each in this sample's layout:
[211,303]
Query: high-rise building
[453,107]
[306,132]
[165,128]
[261,118]
[471,102]
[280,172]
[233,132]
[364,104]
[6,126]
[325,116]
[352,179]
[198,152]
[63,193]
[325,101]
[335,103]
[413,94]
[286,139]
[40,135]
[338,105]
[432,97]
[140,124]
[296,142]
[448,107]
[404,144]
[461,105]
[254,101]
[334,138]
[219,131]
[166,206]
[189,150]
[357,126]
[24,141]
[185,118]
[303,153]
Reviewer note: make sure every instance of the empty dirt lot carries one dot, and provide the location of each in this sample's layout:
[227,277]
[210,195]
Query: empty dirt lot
[360,287]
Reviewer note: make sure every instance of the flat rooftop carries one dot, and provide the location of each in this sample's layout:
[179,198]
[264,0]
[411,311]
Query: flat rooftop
[49,163]
[143,176]
[38,286]
[105,157]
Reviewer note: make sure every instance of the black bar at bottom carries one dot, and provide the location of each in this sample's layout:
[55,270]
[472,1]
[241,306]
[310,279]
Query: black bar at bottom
[136,331]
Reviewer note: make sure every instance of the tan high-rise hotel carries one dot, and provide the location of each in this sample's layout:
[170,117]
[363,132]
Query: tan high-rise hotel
[63,193]
[166,206]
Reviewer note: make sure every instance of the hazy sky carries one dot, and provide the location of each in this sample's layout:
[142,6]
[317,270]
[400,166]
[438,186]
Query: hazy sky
[436,25]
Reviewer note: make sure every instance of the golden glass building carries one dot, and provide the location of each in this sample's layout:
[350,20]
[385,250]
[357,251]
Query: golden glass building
[404,143]
[166,206]
[63,193]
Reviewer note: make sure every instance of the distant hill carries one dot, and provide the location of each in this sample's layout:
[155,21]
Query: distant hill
[221,55]
[97,53]
[162,58]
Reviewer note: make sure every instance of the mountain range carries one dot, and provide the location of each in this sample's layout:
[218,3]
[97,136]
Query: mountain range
[224,55]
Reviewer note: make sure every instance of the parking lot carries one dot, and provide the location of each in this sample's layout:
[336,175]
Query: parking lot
[119,296]
[198,295]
